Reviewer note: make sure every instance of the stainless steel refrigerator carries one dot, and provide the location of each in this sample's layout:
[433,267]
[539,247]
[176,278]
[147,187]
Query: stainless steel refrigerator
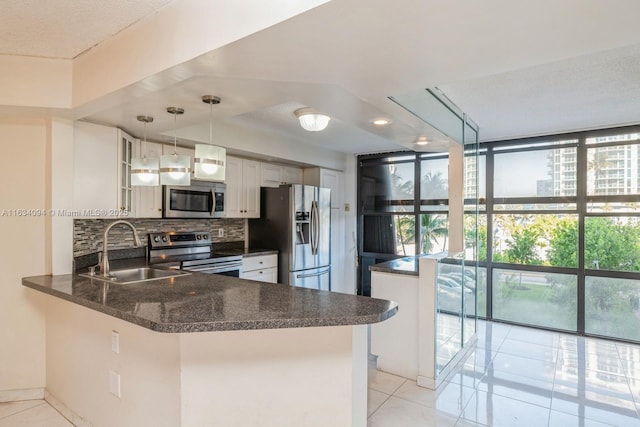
[296,220]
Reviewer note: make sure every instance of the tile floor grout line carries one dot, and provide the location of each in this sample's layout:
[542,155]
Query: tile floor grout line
[380,405]
[61,414]
[23,410]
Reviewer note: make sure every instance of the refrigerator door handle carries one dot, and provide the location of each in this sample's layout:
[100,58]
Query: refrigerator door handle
[302,276]
[314,228]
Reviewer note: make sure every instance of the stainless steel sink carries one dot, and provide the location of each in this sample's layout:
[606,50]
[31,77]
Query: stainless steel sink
[136,275]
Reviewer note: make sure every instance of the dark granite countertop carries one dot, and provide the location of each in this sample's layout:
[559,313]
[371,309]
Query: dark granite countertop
[202,302]
[406,265]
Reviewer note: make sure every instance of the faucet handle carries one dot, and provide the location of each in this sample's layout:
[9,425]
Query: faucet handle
[92,269]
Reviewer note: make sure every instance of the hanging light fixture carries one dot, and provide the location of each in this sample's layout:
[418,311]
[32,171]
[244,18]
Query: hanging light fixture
[311,120]
[144,171]
[174,168]
[209,162]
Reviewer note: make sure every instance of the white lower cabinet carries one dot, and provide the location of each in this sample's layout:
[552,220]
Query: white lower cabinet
[263,268]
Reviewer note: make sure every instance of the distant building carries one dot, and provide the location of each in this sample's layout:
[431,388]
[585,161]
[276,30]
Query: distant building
[611,170]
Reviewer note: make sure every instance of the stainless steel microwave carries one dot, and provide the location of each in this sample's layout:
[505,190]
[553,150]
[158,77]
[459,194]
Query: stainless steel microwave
[201,199]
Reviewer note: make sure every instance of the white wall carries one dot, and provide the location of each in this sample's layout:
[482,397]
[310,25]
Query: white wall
[270,377]
[23,173]
[79,359]
[41,82]
[61,195]
[277,377]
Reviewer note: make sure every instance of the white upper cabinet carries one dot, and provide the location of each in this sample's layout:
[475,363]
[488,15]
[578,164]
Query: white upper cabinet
[128,146]
[292,175]
[270,175]
[273,175]
[149,199]
[102,168]
[243,188]
[326,178]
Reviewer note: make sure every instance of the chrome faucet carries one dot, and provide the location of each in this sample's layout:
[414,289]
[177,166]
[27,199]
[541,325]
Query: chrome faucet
[104,265]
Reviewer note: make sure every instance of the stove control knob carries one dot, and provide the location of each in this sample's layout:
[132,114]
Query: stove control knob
[164,239]
[205,236]
[199,236]
[156,239]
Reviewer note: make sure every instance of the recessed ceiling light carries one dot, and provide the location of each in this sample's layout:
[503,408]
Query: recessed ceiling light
[422,140]
[381,121]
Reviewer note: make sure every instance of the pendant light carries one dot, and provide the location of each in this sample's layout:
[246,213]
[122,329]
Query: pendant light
[209,162]
[311,120]
[175,168]
[144,171]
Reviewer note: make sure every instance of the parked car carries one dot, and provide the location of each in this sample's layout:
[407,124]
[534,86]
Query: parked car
[469,283]
[450,295]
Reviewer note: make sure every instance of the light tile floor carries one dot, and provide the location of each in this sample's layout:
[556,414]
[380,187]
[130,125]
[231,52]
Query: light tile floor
[516,377]
[31,413]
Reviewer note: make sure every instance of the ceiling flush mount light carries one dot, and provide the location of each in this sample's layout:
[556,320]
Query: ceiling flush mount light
[311,120]
[381,121]
[422,140]
[174,168]
[209,160]
[144,171]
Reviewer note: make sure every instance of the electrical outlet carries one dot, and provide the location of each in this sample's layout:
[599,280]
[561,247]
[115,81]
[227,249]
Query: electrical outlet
[220,232]
[115,342]
[114,383]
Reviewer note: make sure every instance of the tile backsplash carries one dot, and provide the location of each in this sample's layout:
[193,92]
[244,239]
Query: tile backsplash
[87,233]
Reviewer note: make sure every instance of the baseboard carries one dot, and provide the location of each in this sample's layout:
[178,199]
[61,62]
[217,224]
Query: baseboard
[21,394]
[74,418]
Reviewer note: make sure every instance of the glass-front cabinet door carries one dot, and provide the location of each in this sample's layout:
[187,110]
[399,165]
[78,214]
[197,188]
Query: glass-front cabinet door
[126,146]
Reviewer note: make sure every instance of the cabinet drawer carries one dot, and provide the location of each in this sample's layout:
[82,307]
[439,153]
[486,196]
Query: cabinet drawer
[264,275]
[259,262]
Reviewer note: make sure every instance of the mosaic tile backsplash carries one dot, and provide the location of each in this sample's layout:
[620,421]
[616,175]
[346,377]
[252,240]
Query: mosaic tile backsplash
[87,233]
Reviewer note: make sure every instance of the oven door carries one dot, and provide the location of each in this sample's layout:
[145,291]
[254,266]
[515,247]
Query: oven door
[224,271]
[231,269]
[193,201]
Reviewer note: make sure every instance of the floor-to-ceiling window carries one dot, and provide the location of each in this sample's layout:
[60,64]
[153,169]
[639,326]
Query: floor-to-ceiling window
[558,226]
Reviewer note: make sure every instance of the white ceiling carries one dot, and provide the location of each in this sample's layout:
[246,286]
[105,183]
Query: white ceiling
[586,92]
[516,68]
[66,28]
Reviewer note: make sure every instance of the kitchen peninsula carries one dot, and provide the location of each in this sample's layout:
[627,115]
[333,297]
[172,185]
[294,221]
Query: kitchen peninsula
[232,352]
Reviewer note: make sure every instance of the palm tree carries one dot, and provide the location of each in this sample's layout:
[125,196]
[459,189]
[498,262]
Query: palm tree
[432,227]
[433,186]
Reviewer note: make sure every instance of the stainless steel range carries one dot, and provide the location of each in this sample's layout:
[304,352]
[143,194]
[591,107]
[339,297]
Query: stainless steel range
[191,251]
